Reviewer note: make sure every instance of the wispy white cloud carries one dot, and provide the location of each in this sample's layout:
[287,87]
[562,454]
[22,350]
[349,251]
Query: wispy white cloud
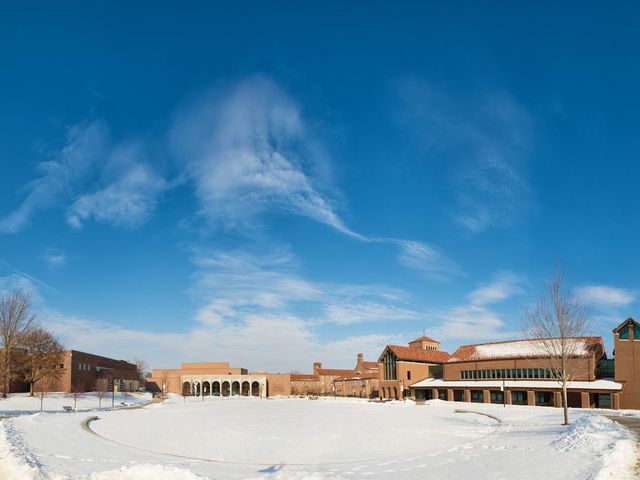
[427,259]
[54,258]
[248,150]
[606,295]
[63,176]
[504,286]
[93,179]
[484,138]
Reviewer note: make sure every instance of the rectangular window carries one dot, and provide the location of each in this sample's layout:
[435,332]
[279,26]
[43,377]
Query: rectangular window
[408,374]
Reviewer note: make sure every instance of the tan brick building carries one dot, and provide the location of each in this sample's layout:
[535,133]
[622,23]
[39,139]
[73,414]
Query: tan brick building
[626,342]
[361,381]
[401,366]
[515,372]
[218,379]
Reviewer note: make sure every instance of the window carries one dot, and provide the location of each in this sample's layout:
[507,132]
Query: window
[408,374]
[389,364]
[636,332]
[624,333]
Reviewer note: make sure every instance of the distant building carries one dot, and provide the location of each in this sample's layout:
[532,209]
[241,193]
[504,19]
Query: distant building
[85,372]
[361,381]
[626,344]
[217,379]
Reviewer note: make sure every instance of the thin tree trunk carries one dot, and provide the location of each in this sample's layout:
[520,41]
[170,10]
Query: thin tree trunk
[31,393]
[565,406]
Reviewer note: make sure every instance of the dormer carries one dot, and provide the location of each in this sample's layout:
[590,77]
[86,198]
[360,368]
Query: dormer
[627,330]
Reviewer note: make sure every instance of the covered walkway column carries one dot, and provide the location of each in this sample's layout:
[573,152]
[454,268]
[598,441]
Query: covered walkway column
[557,399]
[507,397]
[449,395]
[531,397]
[434,393]
[584,400]
[486,396]
[467,395]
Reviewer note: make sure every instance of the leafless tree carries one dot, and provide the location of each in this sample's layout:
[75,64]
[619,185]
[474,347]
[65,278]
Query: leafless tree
[555,325]
[102,389]
[76,393]
[44,388]
[16,320]
[143,369]
[43,355]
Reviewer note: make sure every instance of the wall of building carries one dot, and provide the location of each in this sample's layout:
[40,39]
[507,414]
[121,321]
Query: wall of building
[627,368]
[585,368]
[407,373]
[278,384]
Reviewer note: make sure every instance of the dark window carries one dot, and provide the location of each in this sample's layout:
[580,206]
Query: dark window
[636,332]
[624,333]
[408,374]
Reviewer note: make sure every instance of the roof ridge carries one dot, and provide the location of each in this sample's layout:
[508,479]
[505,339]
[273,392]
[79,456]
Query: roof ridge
[525,340]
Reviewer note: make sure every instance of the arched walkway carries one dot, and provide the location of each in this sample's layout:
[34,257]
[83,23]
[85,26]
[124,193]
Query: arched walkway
[395,393]
[235,388]
[245,389]
[186,389]
[225,389]
[215,388]
[206,388]
[255,389]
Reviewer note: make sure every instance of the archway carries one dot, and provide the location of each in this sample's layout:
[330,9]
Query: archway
[186,389]
[235,388]
[225,389]
[255,389]
[215,389]
[245,389]
[196,389]
[206,388]
[395,393]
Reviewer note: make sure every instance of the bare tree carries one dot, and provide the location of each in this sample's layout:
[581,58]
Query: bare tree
[557,325]
[44,388]
[76,393]
[143,369]
[102,389]
[43,355]
[16,320]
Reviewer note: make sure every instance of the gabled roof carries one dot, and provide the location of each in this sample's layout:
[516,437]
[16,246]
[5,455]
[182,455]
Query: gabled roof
[411,354]
[514,349]
[625,323]
[371,365]
[424,339]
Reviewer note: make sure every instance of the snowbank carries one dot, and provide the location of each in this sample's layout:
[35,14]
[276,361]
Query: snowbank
[605,438]
[147,472]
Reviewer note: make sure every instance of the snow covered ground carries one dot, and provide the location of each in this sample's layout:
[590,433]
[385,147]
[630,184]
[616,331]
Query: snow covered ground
[314,439]
[22,403]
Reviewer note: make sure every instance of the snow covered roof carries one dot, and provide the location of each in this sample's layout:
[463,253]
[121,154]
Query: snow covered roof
[524,384]
[581,346]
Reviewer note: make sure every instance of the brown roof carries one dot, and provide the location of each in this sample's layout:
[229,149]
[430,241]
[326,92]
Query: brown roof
[419,355]
[356,376]
[424,339]
[299,377]
[334,372]
[510,349]
[370,365]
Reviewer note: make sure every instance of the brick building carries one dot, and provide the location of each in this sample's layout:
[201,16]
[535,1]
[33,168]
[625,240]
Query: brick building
[516,372]
[217,379]
[85,372]
[626,344]
[360,381]
[402,366]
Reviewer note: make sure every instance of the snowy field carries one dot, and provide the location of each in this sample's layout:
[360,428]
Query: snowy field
[22,403]
[314,439]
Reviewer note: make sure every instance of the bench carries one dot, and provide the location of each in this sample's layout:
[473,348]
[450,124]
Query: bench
[68,408]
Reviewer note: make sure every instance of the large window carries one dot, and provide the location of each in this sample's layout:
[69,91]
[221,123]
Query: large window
[624,333]
[507,373]
[636,332]
[389,365]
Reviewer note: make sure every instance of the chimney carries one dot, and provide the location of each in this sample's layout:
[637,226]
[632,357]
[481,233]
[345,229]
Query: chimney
[316,366]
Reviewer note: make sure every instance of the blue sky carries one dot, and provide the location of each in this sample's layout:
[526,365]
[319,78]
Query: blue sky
[277,184]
